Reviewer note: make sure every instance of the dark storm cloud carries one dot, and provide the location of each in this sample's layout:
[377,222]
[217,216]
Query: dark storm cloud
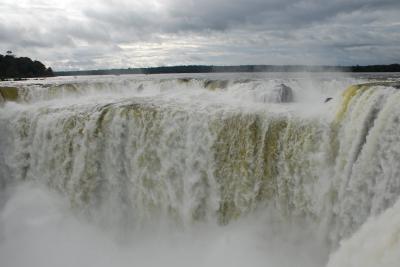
[121,33]
[183,15]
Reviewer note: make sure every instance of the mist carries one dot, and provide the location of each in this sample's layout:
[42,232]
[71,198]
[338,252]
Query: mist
[39,228]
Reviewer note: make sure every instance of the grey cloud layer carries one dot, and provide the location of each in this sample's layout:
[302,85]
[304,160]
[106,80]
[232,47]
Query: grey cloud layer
[71,34]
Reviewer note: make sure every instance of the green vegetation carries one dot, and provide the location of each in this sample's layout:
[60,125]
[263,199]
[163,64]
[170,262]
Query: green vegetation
[241,68]
[22,67]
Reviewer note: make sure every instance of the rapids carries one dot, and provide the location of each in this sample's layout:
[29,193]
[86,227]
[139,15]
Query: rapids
[200,170]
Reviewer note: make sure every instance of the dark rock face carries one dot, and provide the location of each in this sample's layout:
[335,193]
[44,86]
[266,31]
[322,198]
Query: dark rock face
[284,93]
[396,85]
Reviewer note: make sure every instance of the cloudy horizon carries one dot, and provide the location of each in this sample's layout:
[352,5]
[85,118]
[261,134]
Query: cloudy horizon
[75,35]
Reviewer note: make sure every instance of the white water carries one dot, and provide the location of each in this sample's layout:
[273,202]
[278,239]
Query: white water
[208,171]
[377,243]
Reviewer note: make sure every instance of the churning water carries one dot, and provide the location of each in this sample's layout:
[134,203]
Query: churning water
[200,170]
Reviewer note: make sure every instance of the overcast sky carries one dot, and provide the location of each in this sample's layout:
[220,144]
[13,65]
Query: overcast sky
[93,34]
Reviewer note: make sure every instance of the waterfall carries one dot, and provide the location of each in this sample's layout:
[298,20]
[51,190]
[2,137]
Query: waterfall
[137,153]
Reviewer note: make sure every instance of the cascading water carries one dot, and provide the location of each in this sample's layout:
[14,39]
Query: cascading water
[217,160]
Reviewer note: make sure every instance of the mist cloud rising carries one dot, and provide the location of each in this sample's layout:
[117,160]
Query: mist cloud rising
[72,34]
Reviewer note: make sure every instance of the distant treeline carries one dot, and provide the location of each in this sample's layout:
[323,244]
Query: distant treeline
[22,67]
[242,68]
